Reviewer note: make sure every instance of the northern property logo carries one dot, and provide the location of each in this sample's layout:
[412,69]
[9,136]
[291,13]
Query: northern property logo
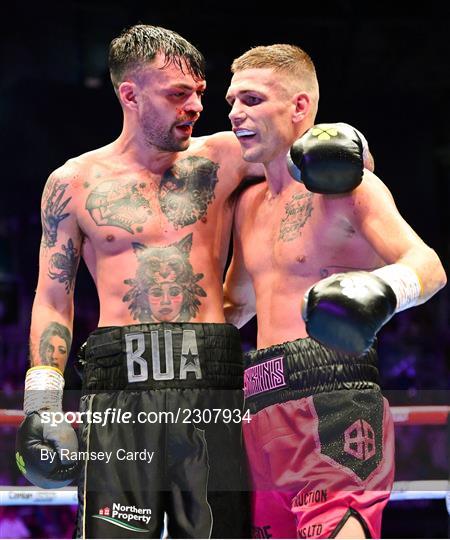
[120,515]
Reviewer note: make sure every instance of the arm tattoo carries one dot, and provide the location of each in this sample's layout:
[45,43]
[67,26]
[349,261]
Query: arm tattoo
[187,189]
[298,211]
[118,205]
[52,213]
[165,286]
[54,346]
[63,266]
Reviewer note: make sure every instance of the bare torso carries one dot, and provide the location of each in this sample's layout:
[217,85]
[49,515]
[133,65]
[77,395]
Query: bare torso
[155,244]
[290,242]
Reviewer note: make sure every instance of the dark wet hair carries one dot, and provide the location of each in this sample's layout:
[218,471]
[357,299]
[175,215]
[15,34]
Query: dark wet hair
[139,44]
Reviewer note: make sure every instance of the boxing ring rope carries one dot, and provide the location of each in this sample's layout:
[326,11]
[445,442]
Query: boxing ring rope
[402,491]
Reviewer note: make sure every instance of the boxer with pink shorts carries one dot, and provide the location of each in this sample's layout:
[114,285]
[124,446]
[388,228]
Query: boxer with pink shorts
[320,443]
[326,259]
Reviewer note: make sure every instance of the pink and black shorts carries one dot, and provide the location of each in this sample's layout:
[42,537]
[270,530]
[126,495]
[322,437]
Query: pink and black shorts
[320,443]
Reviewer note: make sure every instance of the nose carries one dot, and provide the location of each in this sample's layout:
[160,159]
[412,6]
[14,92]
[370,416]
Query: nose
[236,115]
[195,104]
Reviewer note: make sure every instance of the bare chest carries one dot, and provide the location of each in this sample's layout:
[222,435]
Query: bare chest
[116,207]
[301,237]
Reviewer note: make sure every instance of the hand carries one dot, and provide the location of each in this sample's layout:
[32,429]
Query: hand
[345,311]
[328,159]
[44,452]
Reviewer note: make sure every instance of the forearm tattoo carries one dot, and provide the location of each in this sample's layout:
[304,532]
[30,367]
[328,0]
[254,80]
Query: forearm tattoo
[297,212]
[165,287]
[54,346]
[52,212]
[119,205]
[187,189]
[63,266]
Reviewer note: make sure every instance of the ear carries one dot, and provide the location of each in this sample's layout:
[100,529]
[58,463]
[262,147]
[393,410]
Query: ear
[127,92]
[302,104]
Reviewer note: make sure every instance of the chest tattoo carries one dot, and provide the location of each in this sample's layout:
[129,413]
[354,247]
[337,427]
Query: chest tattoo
[118,205]
[165,286]
[297,212]
[186,190]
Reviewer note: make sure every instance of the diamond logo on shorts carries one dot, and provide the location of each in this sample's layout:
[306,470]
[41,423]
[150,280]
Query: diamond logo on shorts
[264,377]
[359,440]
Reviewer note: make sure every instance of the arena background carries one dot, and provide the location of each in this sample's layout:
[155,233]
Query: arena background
[383,69]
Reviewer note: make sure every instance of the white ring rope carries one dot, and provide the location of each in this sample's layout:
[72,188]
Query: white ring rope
[20,495]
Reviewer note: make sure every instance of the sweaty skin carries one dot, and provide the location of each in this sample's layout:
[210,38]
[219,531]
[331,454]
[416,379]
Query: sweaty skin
[150,219]
[285,238]
[288,243]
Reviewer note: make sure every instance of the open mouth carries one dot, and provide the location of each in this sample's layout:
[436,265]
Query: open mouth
[186,128]
[244,134]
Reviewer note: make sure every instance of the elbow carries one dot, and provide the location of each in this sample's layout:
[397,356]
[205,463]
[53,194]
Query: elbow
[232,313]
[237,314]
[443,278]
[440,276]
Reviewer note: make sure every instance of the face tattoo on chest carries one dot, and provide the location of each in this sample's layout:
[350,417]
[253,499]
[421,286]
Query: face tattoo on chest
[165,287]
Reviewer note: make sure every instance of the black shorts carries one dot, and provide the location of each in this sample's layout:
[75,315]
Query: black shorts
[164,434]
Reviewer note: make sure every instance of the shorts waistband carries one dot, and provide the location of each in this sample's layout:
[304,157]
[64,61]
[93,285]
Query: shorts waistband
[302,368]
[163,355]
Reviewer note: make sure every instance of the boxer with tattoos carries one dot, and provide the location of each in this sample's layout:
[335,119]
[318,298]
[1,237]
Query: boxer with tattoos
[149,215]
[320,443]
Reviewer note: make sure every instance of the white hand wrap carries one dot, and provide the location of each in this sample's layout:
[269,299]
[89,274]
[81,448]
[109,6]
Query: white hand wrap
[404,282]
[44,387]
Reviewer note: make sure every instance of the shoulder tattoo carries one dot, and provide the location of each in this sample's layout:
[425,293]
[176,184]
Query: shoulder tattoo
[186,190]
[52,211]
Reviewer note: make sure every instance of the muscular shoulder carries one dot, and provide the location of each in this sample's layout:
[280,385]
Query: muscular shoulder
[371,192]
[218,144]
[224,148]
[371,196]
[62,180]
[77,170]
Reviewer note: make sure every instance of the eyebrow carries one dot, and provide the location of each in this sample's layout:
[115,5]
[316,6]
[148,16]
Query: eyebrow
[244,92]
[185,86]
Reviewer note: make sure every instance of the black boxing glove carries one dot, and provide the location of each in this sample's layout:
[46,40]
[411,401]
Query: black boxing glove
[345,311]
[44,451]
[328,158]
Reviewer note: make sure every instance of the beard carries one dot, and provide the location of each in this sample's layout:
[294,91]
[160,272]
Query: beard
[160,135]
